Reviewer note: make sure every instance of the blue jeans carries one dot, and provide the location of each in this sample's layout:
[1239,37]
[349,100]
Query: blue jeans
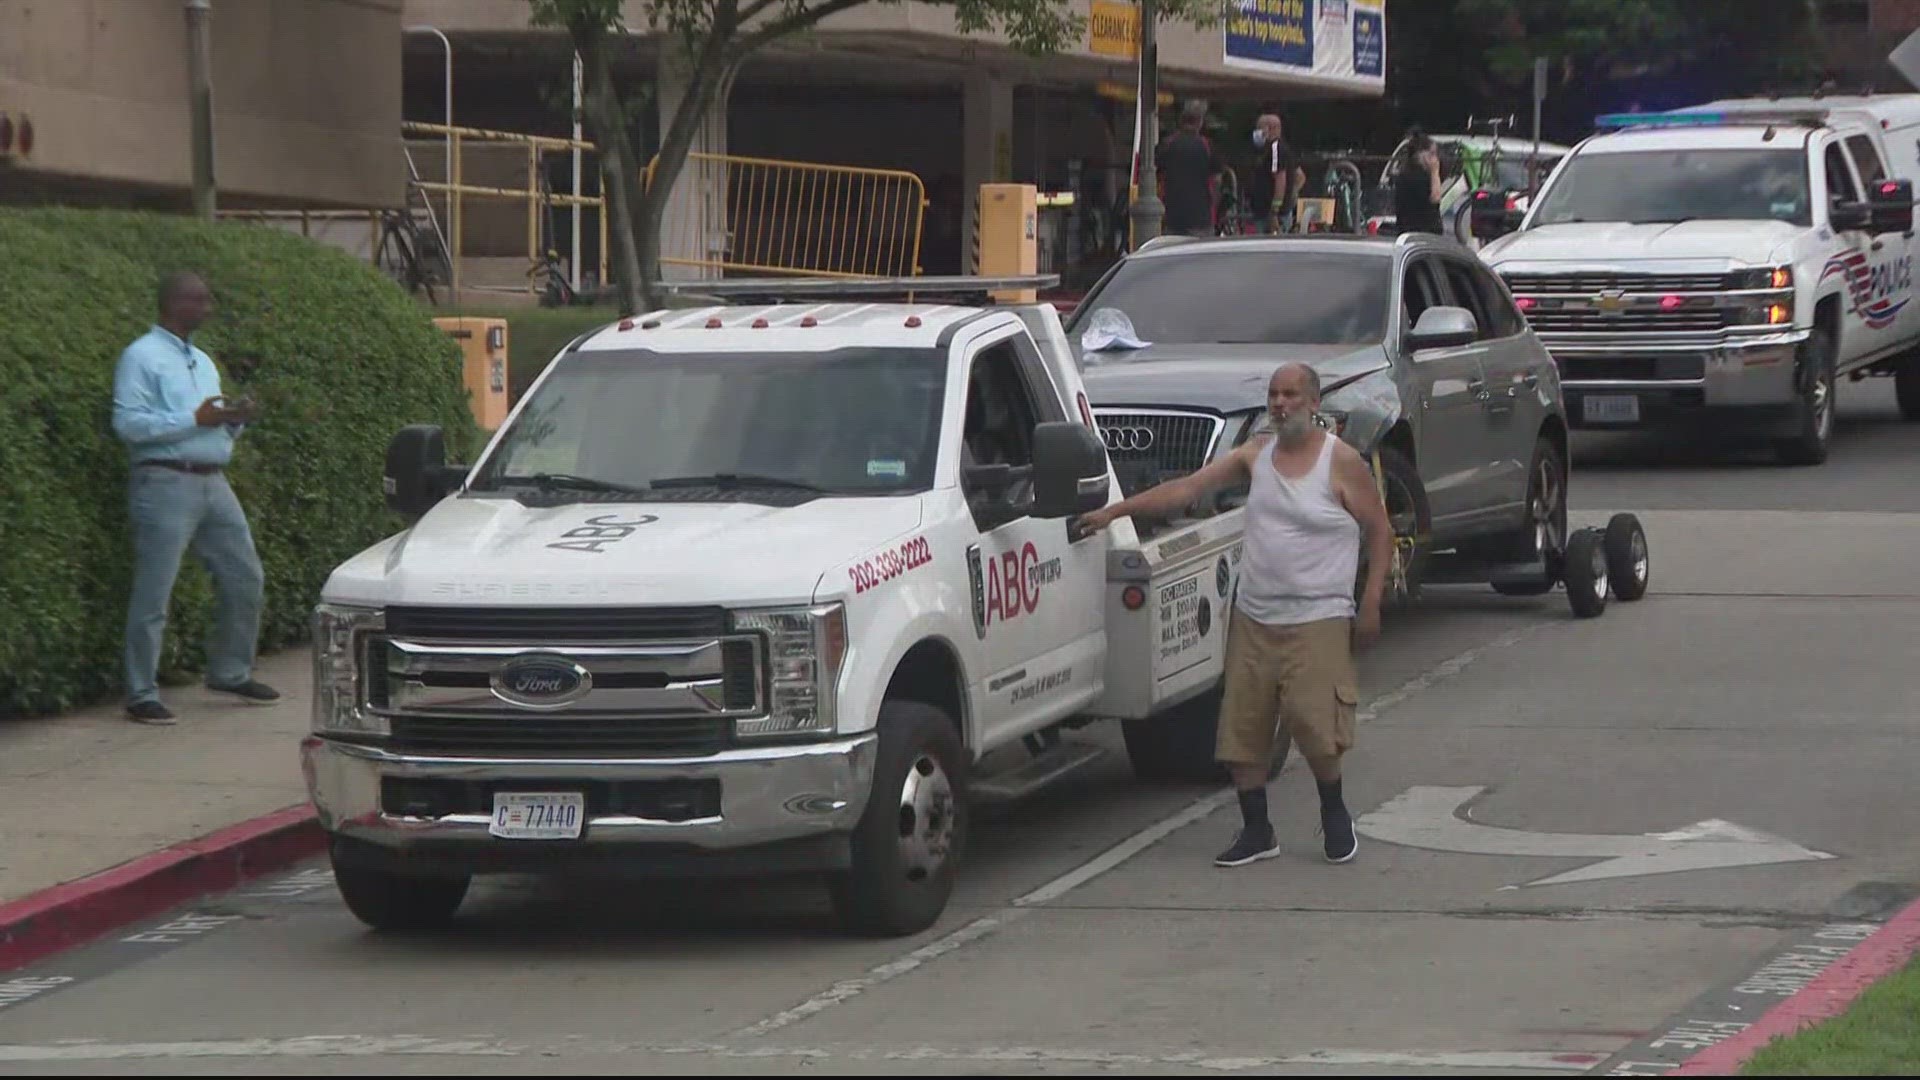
[173,512]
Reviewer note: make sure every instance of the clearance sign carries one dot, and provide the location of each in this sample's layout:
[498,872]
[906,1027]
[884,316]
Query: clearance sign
[1324,41]
[1115,29]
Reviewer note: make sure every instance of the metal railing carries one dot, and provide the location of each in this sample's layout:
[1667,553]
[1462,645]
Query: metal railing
[792,217]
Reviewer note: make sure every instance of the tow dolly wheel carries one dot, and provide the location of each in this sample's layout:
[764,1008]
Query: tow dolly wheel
[1628,564]
[1585,573]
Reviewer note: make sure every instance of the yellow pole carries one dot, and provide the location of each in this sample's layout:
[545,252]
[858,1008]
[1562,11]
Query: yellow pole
[454,201]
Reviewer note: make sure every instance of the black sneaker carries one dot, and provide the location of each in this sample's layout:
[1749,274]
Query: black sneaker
[252,690]
[1247,849]
[150,712]
[1341,841]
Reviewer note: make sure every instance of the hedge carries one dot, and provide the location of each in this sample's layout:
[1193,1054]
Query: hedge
[337,355]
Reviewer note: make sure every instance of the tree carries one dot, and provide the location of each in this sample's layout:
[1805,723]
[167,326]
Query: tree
[714,37]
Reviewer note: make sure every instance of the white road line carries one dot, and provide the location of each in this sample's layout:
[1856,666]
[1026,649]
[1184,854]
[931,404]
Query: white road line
[301,1046]
[415,1045]
[848,989]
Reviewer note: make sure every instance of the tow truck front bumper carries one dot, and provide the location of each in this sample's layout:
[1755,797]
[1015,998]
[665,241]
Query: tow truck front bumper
[768,809]
[1745,382]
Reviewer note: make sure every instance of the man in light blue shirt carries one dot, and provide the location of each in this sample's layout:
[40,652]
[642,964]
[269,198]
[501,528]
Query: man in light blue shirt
[179,430]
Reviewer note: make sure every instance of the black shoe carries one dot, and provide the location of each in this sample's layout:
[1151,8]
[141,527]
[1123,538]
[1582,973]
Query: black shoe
[252,690]
[1337,826]
[1247,849]
[150,712]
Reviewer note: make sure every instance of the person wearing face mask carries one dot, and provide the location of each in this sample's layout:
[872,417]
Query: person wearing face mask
[1295,624]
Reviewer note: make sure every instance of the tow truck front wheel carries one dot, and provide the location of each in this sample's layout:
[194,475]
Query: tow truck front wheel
[388,900]
[907,845]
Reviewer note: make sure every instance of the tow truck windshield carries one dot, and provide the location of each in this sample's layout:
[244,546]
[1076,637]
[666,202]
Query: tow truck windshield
[759,426]
[1670,186]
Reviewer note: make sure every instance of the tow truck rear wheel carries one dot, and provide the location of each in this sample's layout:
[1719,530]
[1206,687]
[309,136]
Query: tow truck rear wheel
[388,900]
[907,845]
[1177,744]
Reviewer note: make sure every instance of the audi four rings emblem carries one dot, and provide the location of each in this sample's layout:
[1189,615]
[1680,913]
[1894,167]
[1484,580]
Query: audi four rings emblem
[1127,438]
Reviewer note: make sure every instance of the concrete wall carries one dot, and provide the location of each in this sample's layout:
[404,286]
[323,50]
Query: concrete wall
[306,97]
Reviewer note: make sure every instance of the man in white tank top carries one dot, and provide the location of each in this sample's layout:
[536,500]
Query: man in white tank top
[1295,624]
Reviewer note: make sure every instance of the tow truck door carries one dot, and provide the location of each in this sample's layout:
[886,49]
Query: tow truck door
[1037,597]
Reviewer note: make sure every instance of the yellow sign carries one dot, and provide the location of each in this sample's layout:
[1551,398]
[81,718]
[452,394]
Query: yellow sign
[1120,92]
[1115,29]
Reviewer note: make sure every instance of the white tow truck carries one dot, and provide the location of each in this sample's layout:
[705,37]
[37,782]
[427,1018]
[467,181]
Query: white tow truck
[1726,264]
[751,589]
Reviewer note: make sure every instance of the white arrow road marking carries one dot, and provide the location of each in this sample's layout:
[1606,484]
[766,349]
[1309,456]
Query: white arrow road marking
[1428,817]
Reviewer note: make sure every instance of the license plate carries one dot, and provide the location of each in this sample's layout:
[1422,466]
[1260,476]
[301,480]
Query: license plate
[1611,408]
[526,815]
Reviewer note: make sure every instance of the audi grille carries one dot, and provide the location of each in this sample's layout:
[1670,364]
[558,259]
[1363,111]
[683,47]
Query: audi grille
[1150,447]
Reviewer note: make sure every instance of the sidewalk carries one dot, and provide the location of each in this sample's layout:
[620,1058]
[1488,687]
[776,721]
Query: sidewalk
[90,790]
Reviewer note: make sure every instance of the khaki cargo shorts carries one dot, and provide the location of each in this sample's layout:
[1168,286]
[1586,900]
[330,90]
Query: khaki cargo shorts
[1288,682]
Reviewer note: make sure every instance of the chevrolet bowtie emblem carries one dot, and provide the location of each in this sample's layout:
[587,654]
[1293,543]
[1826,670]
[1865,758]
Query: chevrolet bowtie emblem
[1612,301]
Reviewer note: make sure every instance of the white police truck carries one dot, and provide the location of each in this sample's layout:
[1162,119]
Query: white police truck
[1725,266]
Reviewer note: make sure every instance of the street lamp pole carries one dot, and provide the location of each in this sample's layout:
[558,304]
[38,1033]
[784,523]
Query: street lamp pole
[200,102]
[1147,211]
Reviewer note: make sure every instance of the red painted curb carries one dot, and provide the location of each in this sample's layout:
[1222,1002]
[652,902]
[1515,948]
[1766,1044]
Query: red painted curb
[63,916]
[1826,997]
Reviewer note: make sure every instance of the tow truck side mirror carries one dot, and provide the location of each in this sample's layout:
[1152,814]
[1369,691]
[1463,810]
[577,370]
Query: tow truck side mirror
[1069,470]
[1892,206]
[1489,218]
[417,475]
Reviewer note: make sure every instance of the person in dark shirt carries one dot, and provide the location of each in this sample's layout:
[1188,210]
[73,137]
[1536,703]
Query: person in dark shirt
[1188,165]
[1276,175]
[1416,187]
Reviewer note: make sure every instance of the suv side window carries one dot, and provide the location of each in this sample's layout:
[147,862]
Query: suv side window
[1503,319]
[1466,293]
[1421,289]
[1000,418]
[1866,159]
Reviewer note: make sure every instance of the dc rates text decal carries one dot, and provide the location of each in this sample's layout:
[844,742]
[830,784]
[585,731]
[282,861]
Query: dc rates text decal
[884,567]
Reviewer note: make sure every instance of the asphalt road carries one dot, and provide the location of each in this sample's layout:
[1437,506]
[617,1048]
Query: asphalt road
[1758,705]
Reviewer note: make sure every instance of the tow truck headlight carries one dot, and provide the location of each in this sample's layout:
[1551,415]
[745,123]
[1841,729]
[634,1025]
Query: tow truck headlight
[340,636]
[806,649]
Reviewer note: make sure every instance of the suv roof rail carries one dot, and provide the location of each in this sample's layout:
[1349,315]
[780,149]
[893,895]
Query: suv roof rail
[962,289]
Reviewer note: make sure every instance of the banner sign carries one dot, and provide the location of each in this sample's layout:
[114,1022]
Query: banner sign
[1336,41]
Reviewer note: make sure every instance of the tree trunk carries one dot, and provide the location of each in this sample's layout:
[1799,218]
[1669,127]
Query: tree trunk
[707,72]
[619,172]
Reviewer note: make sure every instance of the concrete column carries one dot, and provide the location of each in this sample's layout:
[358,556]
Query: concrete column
[987,150]
[693,232]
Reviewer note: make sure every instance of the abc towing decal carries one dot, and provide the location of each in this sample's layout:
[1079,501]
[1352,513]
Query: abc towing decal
[884,567]
[1010,585]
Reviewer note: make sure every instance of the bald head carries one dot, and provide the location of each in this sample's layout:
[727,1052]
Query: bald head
[185,301]
[1295,374]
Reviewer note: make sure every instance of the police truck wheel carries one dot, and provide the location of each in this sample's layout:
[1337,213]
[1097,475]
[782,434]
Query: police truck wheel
[387,900]
[1177,744]
[1815,369]
[907,845]
[1629,567]
[1906,387]
[1586,574]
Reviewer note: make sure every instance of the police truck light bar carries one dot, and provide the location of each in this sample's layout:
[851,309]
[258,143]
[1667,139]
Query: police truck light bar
[1690,118]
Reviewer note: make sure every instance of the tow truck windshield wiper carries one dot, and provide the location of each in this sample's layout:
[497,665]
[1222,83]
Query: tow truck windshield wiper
[570,481]
[737,480]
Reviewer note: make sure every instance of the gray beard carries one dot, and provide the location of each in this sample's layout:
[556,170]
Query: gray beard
[1295,427]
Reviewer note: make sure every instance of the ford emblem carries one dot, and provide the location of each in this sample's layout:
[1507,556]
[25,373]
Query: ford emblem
[541,682]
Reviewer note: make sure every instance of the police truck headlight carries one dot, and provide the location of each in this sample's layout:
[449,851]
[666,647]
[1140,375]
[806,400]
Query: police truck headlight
[340,636]
[806,649]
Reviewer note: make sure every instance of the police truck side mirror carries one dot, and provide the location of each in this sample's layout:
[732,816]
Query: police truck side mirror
[1891,203]
[417,475]
[1069,470]
[1850,216]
